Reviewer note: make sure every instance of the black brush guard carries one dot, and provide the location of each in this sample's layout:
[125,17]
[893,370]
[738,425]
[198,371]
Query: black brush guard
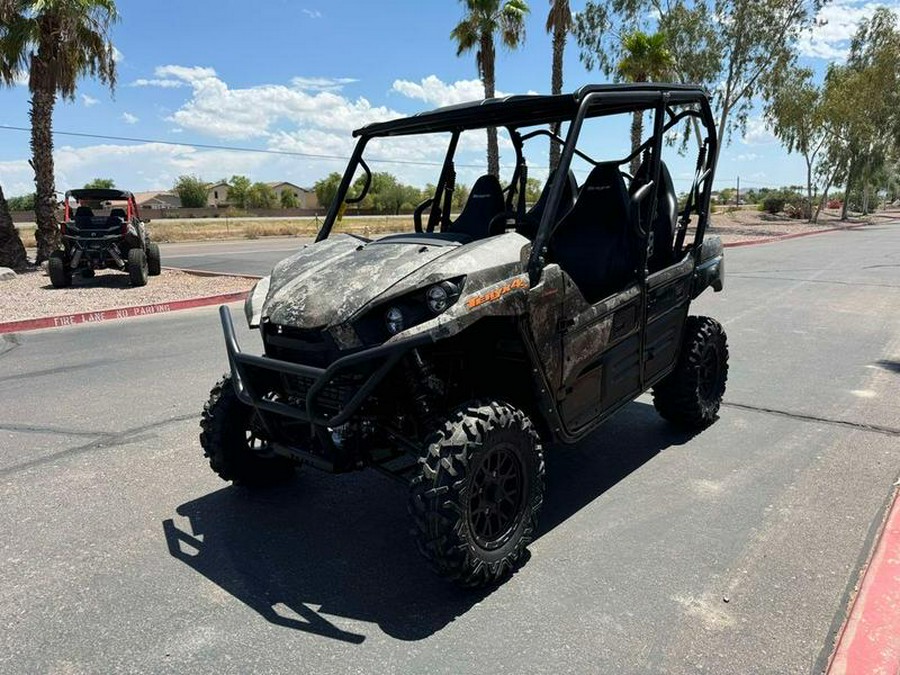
[252,376]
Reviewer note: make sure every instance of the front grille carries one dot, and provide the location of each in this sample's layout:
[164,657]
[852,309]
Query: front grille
[330,399]
[307,346]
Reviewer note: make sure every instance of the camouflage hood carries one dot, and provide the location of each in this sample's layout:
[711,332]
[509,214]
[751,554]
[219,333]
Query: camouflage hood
[325,283]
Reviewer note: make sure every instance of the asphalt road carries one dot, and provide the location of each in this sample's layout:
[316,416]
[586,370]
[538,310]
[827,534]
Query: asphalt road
[730,552]
[237,257]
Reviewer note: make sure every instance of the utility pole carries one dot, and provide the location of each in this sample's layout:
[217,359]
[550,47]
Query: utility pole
[737,199]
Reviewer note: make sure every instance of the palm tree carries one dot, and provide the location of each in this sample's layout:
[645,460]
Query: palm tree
[559,22]
[645,58]
[484,19]
[56,42]
[12,251]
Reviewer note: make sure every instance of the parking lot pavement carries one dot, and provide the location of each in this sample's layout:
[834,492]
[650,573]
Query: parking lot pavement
[734,550]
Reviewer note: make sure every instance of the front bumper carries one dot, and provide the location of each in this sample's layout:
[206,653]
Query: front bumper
[259,380]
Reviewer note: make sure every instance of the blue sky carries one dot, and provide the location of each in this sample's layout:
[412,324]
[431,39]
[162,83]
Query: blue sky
[299,75]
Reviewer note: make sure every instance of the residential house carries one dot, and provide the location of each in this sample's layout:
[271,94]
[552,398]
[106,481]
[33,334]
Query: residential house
[157,199]
[306,197]
[217,194]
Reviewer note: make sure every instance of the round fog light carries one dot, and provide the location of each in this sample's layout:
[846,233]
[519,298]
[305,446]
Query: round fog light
[393,318]
[437,299]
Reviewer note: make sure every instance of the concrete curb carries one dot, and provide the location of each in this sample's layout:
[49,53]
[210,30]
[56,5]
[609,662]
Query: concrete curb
[119,313]
[208,273]
[869,640]
[782,237]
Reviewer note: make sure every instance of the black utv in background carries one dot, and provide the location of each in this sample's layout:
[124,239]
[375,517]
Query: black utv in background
[104,230]
[448,357]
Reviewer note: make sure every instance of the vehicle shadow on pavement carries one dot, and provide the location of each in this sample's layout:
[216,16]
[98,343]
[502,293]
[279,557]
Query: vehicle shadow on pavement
[114,279]
[339,546]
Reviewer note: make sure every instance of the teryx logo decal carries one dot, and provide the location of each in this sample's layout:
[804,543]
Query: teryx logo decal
[496,293]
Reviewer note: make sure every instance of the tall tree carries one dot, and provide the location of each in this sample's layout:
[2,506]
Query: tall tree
[192,191]
[795,113]
[238,188]
[57,42]
[559,23]
[645,58]
[12,251]
[484,20]
[740,49]
[100,184]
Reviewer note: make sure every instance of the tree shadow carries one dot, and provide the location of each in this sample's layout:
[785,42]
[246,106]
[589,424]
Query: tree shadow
[340,545]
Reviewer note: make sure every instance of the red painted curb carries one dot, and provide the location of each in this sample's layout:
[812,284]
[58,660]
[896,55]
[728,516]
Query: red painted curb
[797,235]
[869,641]
[119,313]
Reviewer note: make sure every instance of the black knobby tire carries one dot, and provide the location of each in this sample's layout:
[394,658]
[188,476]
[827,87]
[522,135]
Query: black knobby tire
[690,396]
[87,273]
[154,262]
[485,455]
[137,267]
[234,445]
[59,270]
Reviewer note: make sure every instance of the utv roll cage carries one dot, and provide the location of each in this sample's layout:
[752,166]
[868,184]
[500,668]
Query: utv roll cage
[517,112]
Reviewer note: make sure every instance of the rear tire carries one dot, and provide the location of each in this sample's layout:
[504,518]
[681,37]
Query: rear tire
[59,270]
[233,443]
[137,267]
[690,396]
[154,263]
[476,501]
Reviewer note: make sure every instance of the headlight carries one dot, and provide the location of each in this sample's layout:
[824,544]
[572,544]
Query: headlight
[437,298]
[254,303]
[393,319]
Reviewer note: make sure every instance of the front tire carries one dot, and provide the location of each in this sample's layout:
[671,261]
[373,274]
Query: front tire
[59,270]
[476,500]
[233,442]
[690,396]
[137,267]
[154,262]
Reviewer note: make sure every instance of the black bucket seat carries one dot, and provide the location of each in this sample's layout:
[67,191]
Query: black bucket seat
[666,220]
[594,241]
[536,212]
[485,202]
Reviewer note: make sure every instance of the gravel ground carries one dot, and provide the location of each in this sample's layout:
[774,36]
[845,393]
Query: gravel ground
[751,225]
[30,295]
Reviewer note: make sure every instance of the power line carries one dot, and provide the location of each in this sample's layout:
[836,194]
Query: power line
[289,153]
[236,148]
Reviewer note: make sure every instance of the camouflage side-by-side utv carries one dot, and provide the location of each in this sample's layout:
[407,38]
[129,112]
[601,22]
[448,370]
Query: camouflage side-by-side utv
[447,357]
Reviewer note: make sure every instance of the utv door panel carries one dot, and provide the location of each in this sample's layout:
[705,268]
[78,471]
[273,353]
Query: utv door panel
[601,363]
[668,296]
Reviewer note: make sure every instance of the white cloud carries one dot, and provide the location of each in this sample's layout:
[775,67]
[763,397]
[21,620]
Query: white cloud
[835,25]
[128,118]
[312,13]
[118,56]
[757,132]
[748,157]
[217,110]
[435,91]
[88,100]
[157,82]
[322,83]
